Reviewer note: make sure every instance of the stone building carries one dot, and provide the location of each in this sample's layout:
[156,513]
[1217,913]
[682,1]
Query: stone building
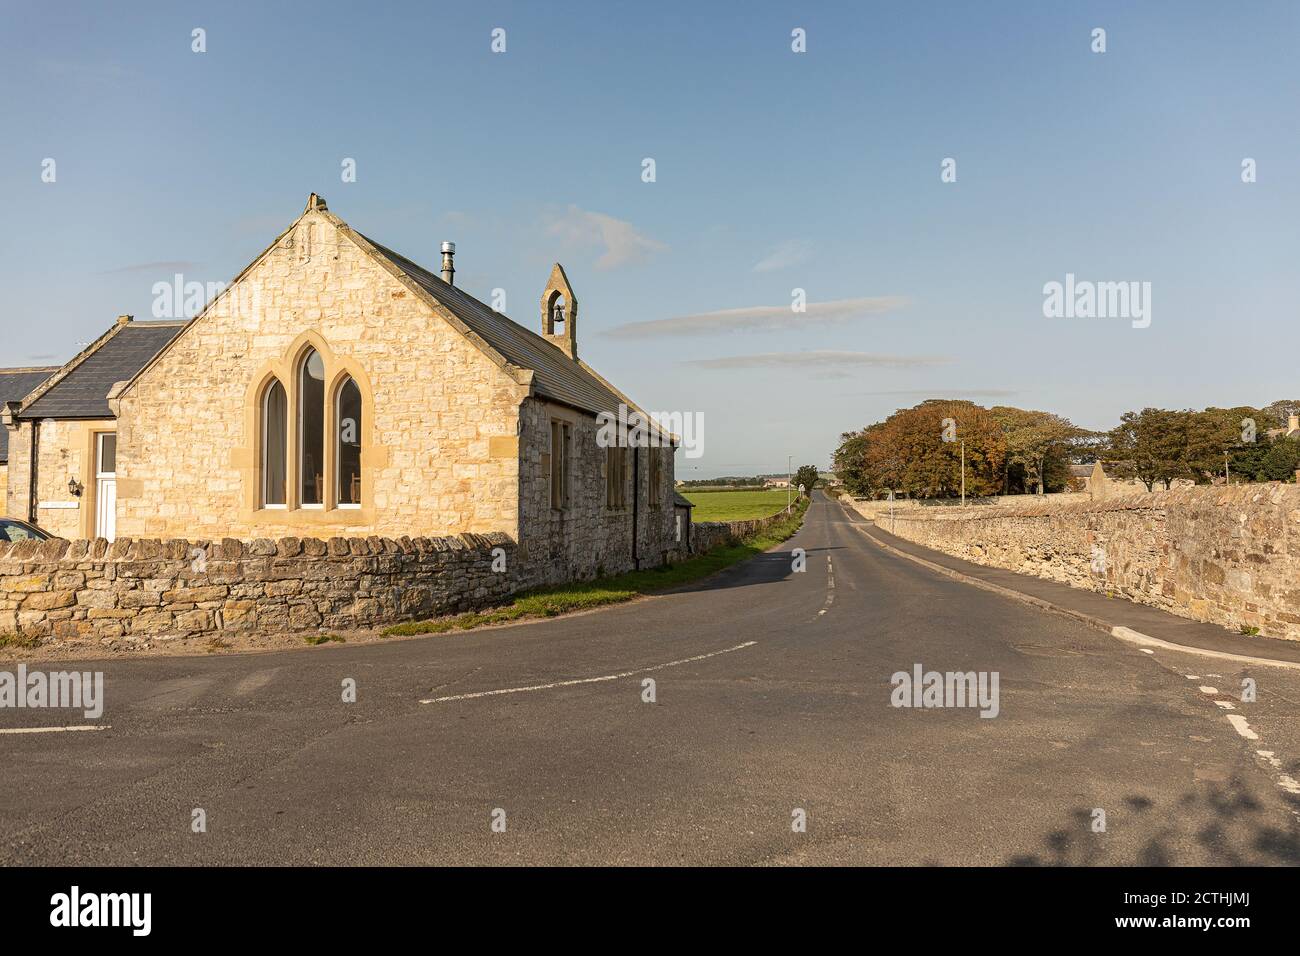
[1292,429]
[338,389]
[15,385]
[67,421]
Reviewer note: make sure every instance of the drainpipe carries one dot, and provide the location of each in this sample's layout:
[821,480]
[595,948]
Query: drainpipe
[636,500]
[32,464]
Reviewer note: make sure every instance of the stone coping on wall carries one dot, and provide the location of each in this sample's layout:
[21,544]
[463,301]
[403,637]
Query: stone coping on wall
[145,588]
[1273,493]
[232,549]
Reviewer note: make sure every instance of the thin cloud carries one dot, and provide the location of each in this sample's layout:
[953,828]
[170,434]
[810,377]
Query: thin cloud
[823,360]
[620,243]
[760,318]
[792,252]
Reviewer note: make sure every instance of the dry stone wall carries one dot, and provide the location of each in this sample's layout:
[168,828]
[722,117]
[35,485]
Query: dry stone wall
[1230,556]
[138,590]
[707,535]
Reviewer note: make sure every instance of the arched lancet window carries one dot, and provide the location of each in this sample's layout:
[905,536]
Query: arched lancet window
[311,430]
[275,445]
[348,416]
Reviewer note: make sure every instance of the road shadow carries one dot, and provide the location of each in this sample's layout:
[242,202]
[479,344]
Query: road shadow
[766,568]
[1221,822]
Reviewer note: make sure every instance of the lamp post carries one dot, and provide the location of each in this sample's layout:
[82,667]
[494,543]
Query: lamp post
[963,473]
[789,463]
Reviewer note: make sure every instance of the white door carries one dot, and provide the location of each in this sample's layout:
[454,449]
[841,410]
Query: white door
[106,486]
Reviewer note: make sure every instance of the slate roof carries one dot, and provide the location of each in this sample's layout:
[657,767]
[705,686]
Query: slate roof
[555,375]
[82,391]
[681,501]
[15,385]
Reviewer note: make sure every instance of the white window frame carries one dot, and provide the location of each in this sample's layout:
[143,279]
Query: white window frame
[302,435]
[266,447]
[338,420]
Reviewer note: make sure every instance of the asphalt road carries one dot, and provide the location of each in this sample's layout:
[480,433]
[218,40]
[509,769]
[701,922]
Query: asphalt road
[772,695]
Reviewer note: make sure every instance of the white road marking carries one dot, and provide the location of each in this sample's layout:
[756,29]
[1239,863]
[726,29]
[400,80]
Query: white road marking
[587,680]
[1147,650]
[1209,690]
[54,730]
[1137,637]
[1239,724]
[1192,677]
[1284,780]
[830,587]
[1225,705]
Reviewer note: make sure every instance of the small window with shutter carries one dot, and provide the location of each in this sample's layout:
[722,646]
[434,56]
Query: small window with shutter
[656,477]
[559,465]
[615,477]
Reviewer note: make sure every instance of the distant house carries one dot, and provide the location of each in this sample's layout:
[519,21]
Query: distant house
[1086,478]
[67,419]
[15,385]
[1292,429]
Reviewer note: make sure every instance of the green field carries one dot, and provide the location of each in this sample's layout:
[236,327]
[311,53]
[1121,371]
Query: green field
[736,505]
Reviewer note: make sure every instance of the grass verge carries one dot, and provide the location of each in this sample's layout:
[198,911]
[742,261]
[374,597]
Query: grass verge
[14,640]
[315,640]
[583,596]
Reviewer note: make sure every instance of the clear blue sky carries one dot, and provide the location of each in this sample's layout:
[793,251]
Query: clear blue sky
[775,170]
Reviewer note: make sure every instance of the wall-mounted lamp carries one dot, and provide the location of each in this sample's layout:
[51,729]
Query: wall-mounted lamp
[75,488]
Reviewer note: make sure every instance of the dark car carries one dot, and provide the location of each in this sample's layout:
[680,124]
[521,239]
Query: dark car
[11,529]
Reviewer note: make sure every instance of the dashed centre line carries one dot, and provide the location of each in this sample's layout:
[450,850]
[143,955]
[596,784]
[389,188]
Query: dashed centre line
[1239,724]
[830,587]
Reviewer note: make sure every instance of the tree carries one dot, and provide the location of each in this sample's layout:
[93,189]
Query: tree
[917,451]
[1038,444]
[1149,445]
[806,476]
[1277,414]
[850,463]
[1282,459]
[1211,434]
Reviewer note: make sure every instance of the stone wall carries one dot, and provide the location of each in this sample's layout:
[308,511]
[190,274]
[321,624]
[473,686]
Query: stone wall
[707,535]
[152,589]
[1230,556]
[587,539]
